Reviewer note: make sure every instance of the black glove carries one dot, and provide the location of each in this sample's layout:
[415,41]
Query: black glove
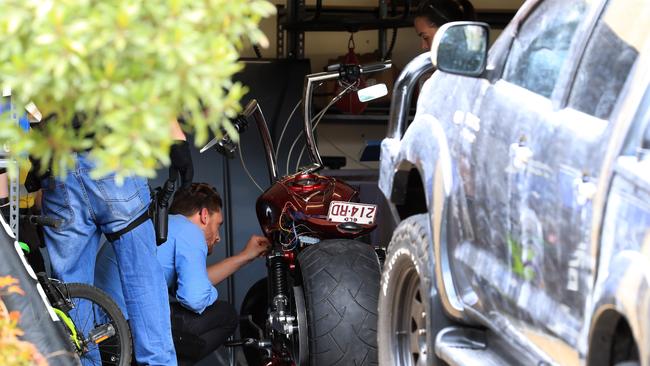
[35,175]
[181,163]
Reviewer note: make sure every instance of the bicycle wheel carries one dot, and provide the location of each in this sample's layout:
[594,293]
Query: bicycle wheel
[102,332]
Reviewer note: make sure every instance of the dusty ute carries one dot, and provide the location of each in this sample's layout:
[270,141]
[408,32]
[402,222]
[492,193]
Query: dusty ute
[521,193]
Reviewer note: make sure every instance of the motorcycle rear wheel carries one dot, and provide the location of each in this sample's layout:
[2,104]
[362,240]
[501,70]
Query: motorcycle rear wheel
[340,281]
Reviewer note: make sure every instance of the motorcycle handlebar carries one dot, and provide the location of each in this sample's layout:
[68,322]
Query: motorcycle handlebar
[336,73]
[365,69]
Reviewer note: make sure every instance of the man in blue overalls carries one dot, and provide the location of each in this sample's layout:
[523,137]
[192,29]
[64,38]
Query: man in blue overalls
[92,207]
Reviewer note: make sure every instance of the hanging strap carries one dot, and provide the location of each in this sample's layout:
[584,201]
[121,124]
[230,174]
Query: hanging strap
[351,44]
[135,223]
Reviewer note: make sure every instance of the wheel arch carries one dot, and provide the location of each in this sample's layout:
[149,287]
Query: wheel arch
[610,331]
[413,165]
[408,194]
[421,182]
[621,311]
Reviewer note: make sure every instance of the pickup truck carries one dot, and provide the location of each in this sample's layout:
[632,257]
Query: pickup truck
[520,193]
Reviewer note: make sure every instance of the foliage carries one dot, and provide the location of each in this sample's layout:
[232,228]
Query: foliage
[131,67]
[13,351]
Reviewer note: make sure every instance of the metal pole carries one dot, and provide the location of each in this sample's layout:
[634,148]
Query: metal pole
[227,199]
[382,46]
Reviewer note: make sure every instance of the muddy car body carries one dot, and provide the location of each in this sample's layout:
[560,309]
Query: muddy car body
[520,193]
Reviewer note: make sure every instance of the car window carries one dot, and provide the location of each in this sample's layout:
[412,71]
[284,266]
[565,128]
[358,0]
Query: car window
[541,46]
[609,56]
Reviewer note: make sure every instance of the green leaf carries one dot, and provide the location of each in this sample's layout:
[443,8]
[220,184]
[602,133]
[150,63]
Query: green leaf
[131,66]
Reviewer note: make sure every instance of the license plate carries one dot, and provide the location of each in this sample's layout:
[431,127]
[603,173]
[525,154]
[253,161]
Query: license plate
[359,213]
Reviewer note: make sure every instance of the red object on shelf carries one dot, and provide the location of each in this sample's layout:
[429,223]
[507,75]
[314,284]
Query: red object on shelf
[350,102]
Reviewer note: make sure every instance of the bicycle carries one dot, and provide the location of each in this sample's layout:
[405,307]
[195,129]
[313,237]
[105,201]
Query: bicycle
[104,332]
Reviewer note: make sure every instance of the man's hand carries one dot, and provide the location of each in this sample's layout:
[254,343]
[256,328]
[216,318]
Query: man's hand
[181,163]
[257,246]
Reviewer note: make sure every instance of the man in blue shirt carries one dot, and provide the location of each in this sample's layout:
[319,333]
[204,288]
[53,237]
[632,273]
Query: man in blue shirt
[200,322]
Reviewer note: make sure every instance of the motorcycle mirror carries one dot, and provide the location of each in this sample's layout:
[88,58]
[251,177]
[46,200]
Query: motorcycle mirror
[372,92]
[239,123]
[207,147]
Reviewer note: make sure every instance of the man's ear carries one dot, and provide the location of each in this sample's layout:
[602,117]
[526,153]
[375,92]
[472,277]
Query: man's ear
[204,213]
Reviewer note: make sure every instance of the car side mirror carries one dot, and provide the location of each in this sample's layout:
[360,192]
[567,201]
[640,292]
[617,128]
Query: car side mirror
[461,48]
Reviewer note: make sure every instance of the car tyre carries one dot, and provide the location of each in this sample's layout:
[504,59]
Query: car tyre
[409,309]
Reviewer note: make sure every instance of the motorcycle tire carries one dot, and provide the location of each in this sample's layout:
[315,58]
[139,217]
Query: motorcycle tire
[340,281]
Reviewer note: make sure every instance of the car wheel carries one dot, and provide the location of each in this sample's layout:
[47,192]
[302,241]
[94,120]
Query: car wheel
[409,308]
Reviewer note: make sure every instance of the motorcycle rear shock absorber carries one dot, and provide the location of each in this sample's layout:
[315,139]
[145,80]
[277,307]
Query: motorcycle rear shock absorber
[278,272]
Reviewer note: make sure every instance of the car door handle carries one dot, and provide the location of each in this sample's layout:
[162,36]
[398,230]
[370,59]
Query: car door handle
[520,154]
[584,189]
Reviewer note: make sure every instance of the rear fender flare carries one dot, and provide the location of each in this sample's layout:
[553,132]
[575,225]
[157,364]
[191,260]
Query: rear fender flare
[425,147]
[625,291]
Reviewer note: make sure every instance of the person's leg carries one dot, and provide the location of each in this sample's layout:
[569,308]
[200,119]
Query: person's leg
[145,295]
[72,247]
[209,329]
[143,283]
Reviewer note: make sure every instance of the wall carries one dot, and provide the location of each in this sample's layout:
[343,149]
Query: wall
[320,47]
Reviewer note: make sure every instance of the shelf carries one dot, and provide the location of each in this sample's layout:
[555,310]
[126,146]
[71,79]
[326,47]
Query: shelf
[334,19]
[370,116]
[353,19]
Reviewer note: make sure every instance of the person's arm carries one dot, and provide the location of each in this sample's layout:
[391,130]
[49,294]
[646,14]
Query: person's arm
[177,131]
[194,290]
[180,156]
[257,246]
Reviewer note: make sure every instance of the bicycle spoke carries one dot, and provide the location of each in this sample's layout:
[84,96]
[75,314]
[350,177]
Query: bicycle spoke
[92,322]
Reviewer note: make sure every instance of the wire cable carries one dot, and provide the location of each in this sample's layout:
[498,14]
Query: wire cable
[241,159]
[318,116]
[284,129]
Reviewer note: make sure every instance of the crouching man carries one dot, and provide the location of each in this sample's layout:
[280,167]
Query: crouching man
[200,322]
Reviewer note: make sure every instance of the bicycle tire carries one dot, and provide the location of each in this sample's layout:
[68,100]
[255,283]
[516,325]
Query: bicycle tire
[114,350]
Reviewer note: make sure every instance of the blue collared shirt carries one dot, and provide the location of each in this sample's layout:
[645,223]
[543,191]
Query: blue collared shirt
[183,259]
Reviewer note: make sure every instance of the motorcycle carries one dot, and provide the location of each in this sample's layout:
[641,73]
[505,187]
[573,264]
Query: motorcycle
[318,304]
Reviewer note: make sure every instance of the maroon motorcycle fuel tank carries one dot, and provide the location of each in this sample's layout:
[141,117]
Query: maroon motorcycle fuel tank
[305,199]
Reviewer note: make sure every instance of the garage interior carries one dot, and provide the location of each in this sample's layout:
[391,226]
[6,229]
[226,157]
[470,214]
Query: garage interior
[305,37]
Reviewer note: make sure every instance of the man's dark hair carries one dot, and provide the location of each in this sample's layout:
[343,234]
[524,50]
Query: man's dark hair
[188,201]
[439,12]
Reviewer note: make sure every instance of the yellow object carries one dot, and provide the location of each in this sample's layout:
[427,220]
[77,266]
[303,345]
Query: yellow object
[68,323]
[26,200]
[101,339]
